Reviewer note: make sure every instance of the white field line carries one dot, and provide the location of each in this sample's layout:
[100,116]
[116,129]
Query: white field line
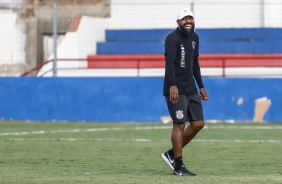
[137,128]
[139,140]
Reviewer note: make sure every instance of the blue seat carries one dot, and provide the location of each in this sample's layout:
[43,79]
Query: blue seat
[151,41]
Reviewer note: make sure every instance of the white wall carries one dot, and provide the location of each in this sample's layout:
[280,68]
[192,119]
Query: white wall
[273,13]
[77,45]
[208,13]
[145,13]
[228,13]
[12,39]
[11,3]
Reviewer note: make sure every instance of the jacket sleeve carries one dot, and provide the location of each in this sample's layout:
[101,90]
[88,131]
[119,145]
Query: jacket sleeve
[196,69]
[170,55]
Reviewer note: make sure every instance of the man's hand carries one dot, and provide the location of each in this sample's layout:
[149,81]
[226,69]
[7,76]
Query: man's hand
[173,94]
[204,94]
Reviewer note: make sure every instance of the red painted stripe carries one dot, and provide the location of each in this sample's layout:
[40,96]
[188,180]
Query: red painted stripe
[125,61]
[74,24]
[113,64]
[253,62]
[206,60]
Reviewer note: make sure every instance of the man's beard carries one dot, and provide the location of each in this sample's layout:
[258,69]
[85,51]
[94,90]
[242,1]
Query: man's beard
[185,31]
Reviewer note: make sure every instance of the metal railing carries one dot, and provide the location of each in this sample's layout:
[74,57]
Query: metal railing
[262,64]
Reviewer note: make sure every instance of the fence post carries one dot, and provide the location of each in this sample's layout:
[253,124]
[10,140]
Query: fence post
[55,37]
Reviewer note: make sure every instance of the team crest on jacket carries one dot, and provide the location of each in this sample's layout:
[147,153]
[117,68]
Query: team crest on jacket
[179,114]
[193,44]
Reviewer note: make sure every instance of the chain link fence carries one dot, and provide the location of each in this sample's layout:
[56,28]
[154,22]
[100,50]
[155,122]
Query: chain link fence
[98,17]
[12,4]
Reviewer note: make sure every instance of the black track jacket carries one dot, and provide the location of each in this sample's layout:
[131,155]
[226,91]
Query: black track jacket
[182,66]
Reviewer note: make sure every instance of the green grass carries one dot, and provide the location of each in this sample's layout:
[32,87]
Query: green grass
[129,153]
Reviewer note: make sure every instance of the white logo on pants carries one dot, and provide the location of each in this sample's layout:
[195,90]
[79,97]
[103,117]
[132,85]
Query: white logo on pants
[179,114]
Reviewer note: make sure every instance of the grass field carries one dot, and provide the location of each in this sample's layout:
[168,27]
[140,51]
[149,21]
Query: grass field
[129,153]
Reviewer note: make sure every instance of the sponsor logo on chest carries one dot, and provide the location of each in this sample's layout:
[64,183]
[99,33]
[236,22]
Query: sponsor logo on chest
[182,61]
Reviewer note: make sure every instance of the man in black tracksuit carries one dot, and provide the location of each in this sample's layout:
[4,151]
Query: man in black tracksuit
[182,97]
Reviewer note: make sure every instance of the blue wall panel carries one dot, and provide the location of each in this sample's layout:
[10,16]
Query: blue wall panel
[137,35]
[211,47]
[228,34]
[212,41]
[130,48]
[224,93]
[128,99]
